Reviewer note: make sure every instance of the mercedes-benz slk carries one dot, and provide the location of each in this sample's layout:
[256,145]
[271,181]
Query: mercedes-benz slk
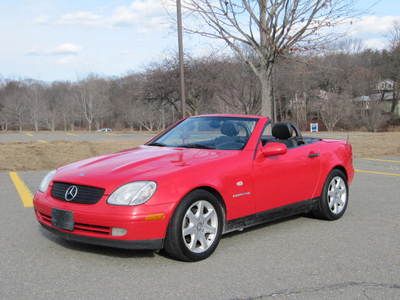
[202,177]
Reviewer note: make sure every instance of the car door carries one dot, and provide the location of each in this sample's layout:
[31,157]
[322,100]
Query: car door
[287,178]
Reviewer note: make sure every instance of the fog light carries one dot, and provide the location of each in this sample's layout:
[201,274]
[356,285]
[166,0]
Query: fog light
[118,231]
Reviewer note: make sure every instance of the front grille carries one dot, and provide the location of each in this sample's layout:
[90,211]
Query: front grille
[84,195]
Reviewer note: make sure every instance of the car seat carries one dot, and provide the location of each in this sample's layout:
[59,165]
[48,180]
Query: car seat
[283,132]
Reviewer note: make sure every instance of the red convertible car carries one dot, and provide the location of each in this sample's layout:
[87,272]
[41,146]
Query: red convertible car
[203,177]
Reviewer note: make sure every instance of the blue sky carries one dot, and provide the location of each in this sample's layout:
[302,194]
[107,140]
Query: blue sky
[67,40]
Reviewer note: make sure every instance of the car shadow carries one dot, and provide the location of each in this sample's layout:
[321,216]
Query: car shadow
[264,225]
[103,250]
[126,253]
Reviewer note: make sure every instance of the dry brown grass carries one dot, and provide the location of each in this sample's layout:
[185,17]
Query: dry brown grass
[368,144]
[46,156]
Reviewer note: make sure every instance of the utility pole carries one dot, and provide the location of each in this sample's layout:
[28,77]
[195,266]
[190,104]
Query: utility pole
[181,63]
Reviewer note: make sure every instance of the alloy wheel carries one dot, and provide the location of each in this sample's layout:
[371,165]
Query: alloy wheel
[337,195]
[200,226]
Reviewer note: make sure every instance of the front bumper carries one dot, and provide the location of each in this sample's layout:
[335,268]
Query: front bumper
[145,225]
[122,244]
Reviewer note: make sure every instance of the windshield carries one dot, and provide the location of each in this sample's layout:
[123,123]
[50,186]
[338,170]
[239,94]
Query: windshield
[225,133]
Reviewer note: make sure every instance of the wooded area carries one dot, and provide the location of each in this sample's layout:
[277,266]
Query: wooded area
[269,30]
[336,88]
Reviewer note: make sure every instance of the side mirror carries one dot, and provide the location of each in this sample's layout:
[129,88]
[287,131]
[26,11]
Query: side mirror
[273,148]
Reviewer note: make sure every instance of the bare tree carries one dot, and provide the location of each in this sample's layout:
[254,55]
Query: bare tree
[67,104]
[126,95]
[162,83]
[35,104]
[53,105]
[270,28]
[238,88]
[395,35]
[201,78]
[294,86]
[94,100]
[144,114]
[332,108]
[374,117]
[394,64]
[15,107]
[149,99]
[4,120]
[3,114]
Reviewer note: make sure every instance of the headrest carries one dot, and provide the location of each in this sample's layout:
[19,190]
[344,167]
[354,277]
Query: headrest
[229,129]
[282,131]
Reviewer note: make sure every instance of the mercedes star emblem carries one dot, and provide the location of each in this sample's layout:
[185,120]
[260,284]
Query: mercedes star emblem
[71,193]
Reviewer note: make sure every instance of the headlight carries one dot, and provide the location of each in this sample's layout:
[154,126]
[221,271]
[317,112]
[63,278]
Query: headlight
[133,193]
[46,181]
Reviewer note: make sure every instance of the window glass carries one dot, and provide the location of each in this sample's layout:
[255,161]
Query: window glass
[226,133]
[267,134]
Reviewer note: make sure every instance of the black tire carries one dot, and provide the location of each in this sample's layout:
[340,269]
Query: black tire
[174,244]
[323,211]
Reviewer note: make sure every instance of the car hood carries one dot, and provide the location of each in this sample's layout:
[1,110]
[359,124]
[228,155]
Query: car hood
[142,163]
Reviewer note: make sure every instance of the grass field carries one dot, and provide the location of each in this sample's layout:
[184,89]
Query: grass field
[368,144]
[22,156]
[46,156]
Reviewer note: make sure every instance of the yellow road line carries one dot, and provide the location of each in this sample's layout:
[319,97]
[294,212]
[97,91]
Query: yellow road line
[382,160]
[23,191]
[377,172]
[43,141]
[72,134]
[28,134]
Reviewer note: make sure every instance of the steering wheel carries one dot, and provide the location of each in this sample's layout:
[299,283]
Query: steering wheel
[299,137]
[234,140]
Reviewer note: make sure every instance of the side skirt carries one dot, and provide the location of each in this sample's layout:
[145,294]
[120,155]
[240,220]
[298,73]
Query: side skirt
[272,215]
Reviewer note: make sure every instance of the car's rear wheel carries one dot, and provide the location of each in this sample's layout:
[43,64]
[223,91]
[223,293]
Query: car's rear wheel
[334,198]
[195,228]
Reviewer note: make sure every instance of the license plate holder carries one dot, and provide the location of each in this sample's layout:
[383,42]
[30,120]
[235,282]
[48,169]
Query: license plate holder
[63,219]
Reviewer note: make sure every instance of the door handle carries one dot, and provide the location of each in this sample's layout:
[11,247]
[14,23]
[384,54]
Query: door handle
[313,154]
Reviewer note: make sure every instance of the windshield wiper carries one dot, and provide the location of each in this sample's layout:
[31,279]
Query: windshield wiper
[157,144]
[200,146]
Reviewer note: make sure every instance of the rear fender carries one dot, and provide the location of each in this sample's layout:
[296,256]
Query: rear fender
[335,155]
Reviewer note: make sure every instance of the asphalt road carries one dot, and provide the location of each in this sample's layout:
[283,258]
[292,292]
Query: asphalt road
[356,257]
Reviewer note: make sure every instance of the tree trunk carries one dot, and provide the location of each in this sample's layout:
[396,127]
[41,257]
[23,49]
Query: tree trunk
[280,111]
[162,117]
[90,126]
[36,125]
[266,94]
[65,123]
[395,100]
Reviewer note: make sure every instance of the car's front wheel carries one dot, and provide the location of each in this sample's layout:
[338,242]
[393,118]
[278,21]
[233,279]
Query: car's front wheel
[195,228]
